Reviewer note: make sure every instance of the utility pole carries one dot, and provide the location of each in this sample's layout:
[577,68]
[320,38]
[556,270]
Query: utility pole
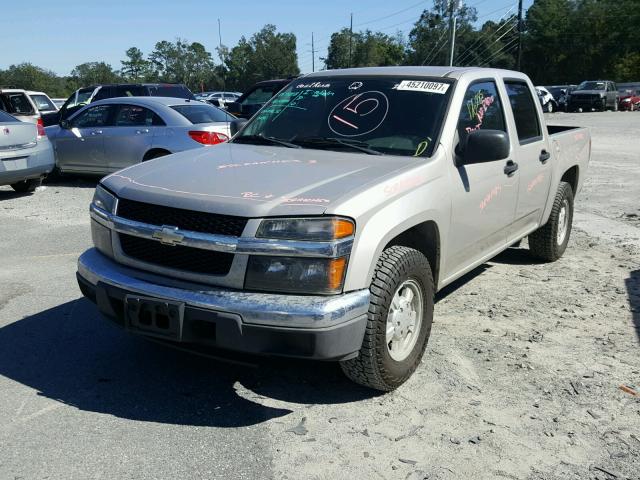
[313,55]
[220,50]
[452,29]
[519,34]
[350,38]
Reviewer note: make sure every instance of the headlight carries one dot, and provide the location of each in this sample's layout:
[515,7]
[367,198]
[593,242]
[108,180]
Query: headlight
[295,274]
[626,100]
[104,199]
[321,229]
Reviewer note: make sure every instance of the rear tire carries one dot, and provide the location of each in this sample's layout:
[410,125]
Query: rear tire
[398,323]
[150,155]
[549,242]
[27,186]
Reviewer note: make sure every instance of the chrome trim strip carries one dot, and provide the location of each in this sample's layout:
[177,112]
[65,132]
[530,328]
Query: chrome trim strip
[20,146]
[293,311]
[225,243]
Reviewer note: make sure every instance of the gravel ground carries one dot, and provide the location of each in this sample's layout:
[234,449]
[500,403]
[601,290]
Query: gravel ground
[522,377]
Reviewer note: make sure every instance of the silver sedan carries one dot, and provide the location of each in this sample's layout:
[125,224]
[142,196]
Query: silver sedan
[109,135]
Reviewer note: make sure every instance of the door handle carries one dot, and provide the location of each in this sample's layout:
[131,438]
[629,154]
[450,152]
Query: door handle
[510,168]
[96,132]
[144,130]
[544,156]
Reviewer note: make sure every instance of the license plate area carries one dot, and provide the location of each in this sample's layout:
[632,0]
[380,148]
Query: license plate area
[154,317]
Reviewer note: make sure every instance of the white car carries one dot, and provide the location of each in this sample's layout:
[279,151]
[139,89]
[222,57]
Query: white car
[42,102]
[549,104]
[18,103]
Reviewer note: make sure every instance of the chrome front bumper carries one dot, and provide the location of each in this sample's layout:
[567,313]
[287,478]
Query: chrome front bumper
[266,309]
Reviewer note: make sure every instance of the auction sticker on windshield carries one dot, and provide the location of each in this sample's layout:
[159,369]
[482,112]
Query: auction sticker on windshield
[427,87]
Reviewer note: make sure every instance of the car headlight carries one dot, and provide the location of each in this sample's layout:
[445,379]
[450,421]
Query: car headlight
[296,274]
[300,274]
[104,199]
[321,229]
[626,100]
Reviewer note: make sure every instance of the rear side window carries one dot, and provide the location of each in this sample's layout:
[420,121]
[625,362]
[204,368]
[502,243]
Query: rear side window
[93,117]
[6,118]
[43,103]
[481,109]
[128,91]
[17,104]
[524,110]
[202,113]
[136,116]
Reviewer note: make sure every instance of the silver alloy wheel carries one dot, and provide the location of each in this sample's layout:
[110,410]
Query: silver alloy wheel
[563,222]
[404,320]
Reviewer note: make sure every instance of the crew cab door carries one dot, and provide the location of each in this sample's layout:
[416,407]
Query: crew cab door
[533,155]
[484,195]
[80,144]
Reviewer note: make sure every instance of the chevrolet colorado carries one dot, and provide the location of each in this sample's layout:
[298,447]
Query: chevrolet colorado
[325,226]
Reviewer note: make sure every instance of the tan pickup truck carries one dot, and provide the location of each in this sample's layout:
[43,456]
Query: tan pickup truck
[325,226]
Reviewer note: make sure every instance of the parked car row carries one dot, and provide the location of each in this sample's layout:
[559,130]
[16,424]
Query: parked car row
[590,95]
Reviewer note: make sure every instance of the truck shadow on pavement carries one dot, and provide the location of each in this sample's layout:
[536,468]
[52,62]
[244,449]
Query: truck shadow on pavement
[70,354]
[633,292]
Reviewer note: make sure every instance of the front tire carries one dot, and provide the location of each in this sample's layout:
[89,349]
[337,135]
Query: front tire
[27,186]
[550,107]
[399,320]
[549,242]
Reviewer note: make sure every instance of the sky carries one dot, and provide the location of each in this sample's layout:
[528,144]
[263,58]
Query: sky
[58,35]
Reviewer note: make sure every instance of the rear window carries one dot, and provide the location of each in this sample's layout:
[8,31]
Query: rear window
[43,103]
[176,91]
[202,113]
[524,111]
[260,95]
[5,117]
[16,103]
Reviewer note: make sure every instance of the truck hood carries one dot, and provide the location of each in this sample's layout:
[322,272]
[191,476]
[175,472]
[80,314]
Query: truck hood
[253,181]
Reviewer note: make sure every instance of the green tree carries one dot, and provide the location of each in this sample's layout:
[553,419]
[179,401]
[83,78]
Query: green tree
[93,73]
[31,77]
[367,48]
[428,39]
[182,62]
[136,68]
[266,55]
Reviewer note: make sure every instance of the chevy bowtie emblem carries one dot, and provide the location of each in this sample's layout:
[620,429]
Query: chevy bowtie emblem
[168,235]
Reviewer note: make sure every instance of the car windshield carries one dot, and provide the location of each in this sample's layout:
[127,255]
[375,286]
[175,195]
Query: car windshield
[591,86]
[202,113]
[389,115]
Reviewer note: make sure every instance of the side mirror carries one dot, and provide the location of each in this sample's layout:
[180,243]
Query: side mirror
[483,146]
[236,125]
[65,124]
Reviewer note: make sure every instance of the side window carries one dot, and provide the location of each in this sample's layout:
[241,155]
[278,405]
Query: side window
[524,110]
[93,117]
[481,109]
[104,92]
[134,116]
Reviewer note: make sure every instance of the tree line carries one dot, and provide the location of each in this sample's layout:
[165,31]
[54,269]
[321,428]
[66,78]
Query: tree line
[563,41]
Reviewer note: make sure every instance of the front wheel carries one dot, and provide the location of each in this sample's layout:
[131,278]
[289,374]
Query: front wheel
[27,186]
[549,242]
[550,107]
[398,323]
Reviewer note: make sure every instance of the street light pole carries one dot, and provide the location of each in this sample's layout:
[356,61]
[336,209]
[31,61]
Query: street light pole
[452,29]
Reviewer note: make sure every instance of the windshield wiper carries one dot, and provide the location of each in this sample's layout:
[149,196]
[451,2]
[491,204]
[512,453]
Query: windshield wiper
[262,140]
[328,142]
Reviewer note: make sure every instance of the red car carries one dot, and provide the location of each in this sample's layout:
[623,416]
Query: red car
[629,100]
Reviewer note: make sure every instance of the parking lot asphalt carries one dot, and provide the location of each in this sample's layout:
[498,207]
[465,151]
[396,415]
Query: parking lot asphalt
[520,380]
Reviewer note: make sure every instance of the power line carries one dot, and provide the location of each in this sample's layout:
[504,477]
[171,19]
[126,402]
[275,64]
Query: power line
[502,50]
[486,49]
[390,15]
[429,55]
[485,34]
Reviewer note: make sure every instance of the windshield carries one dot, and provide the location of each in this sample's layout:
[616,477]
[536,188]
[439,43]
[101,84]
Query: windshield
[389,115]
[591,86]
[176,91]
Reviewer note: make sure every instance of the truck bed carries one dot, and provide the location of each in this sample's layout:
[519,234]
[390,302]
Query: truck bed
[571,147]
